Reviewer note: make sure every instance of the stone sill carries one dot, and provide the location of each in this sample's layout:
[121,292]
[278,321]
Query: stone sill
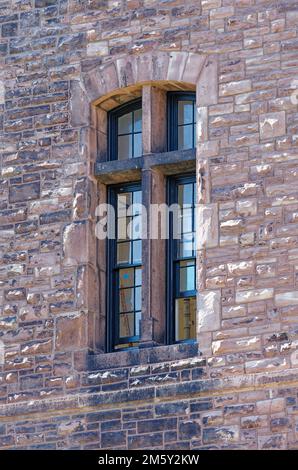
[142,356]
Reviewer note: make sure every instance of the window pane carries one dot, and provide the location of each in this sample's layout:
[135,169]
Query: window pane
[137,203]
[138,276]
[125,124]
[123,228]
[126,300]
[127,327]
[137,251]
[186,246]
[138,120]
[138,317]
[137,145]
[124,202]
[186,276]
[187,220]
[185,195]
[185,137]
[136,227]
[124,147]
[185,112]
[138,298]
[126,277]
[123,253]
[185,317]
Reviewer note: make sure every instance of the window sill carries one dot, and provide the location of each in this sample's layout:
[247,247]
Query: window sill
[142,356]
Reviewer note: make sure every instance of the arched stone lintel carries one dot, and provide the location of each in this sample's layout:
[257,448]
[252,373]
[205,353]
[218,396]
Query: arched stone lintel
[127,71]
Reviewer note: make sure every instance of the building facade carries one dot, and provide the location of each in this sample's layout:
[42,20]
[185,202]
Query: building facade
[66,68]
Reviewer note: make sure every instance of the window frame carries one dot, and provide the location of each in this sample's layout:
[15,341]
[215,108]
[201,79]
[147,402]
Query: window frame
[171,272]
[173,97]
[113,117]
[112,297]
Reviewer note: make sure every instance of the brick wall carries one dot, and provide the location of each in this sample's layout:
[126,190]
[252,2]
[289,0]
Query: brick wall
[240,390]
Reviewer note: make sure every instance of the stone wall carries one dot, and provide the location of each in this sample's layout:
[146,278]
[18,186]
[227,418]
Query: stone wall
[240,389]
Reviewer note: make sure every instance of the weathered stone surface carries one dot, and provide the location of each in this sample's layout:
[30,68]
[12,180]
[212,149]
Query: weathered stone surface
[272,125]
[209,311]
[71,332]
[75,243]
[253,295]
[286,298]
[24,192]
[207,226]
[2,92]
[236,345]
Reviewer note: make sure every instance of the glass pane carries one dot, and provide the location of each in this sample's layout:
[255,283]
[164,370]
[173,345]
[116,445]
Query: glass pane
[137,145]
[124,147]
[125,124]
[124,202]
[123,252]
[138,316]
[138,277]
[185,137]
[136,227]
[127,325]
[187,220]
[187,277]
[137,203]
[138,298]
[126,300]
[126,277]
[138,120]
[186,246]
[185,317]
[123,228]
[185,195]
[137,251]
[185,112]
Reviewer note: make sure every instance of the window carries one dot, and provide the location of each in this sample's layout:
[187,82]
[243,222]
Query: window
[125,267]
[181,121]
[181,274]
[150,160]
[125,131]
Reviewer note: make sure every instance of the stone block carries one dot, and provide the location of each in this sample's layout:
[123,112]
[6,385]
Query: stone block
[75,244]
[286,298]
[236,345]
[253,295]
[221,435]
[272,125]
[24,192]
[209,311]
[71,332]
[234,88]
[207,226]
[2,92]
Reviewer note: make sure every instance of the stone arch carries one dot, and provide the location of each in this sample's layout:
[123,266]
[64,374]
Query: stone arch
[98,88]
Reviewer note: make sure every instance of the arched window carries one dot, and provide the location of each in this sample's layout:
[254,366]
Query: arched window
[150,161]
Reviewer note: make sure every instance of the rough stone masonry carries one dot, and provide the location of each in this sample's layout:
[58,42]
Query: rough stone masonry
[238,388]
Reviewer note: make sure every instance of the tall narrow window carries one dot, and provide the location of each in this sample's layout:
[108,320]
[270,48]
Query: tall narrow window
[181,121]
[182,261]
[125,131]
[125,268]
